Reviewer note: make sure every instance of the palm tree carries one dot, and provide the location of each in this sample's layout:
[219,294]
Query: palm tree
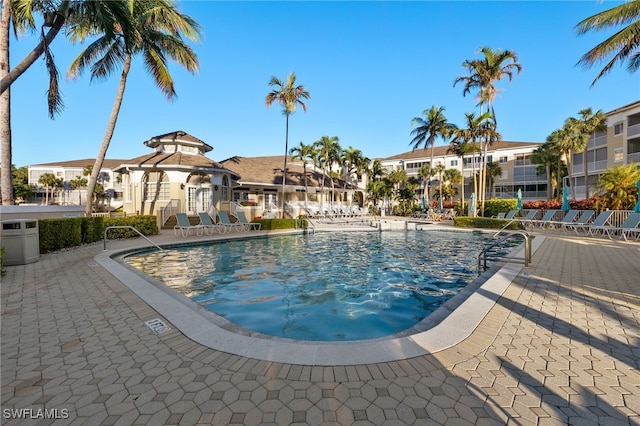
[587,124]
[425,173]
[438,170]
[105,14]
[547,155]
[158,30]
[289,96]
[464,143]
[328,149]
[493,171]
[622,46]
[483,73]
[566,140]
[50,182]
[452,176]
[427,130]
[303,153]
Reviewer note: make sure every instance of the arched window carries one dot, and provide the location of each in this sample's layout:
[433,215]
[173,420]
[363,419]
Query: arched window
[156,186]
[225,188]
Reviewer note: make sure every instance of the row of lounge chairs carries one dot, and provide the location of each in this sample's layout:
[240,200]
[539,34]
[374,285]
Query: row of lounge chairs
[585,221]
[316,211]
[436,215]
[208,226]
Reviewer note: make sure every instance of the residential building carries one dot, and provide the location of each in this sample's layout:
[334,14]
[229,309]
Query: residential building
[618,145]
[67,171]
[517,171]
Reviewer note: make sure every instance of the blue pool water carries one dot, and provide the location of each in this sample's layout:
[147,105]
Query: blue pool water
[323,286]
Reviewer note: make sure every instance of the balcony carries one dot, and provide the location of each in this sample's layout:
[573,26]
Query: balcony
[633,130]
[633,158]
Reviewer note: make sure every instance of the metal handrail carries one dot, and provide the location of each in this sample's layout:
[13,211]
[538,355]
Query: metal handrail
[482,258]
[129,227]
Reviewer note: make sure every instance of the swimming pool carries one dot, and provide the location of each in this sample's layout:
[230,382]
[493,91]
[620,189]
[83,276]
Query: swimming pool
[324,286]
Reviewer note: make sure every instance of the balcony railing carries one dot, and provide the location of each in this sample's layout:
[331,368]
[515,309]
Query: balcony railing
[633,130]
[633,158]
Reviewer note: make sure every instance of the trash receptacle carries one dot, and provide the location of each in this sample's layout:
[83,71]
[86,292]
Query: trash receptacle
[20,240]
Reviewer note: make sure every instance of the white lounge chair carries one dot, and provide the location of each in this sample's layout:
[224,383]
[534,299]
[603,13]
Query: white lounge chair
[531,215]
[185,226]
[599,222]
[631,228]
[207,224]
[582,223]
[228,225]
[628,226]
[546,219]
[242,218]
[570,217]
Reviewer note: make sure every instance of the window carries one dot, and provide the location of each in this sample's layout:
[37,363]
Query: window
[618,155]
[617,129]
[453,163]
[156,186]
[225,188]
[503,159]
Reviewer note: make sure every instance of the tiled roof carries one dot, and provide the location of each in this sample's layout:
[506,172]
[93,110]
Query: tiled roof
[173,160]
[268,171]
[107,164]
[440,151]
[177,136]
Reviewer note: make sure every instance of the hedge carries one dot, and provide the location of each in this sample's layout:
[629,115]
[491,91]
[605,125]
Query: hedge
[56,234]
[485,222]
[271,224]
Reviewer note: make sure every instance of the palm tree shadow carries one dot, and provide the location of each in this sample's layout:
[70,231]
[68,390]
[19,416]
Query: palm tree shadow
[624,352]
[592,408]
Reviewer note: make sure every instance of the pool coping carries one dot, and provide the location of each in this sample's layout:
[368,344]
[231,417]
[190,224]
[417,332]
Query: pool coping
[456,319]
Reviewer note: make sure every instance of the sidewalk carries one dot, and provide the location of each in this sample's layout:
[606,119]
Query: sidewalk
[561,346]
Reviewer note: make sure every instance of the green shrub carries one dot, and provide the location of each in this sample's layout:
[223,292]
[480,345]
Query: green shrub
[494,206]
[147,225]
[271,224]
[56,234]
[485,222]
[92,229]
[1,260]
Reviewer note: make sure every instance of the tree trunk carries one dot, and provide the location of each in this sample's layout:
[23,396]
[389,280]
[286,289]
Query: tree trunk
[570,170]
[284,170]
[6,187]
[586,171]
[549,182]
[97,165]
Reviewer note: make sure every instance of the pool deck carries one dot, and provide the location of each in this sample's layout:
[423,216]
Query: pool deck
[560,345]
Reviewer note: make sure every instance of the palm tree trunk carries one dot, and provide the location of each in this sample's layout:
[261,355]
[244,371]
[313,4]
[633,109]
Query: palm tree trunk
[284,170]
[549,182]
[6,188]
[97,165]
[462,187]
[570,170]
[59,20]
[586,171]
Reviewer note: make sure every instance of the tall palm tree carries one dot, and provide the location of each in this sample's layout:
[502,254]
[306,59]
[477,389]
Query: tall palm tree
[493,171]
[304,153]
[427,130]
[158,30]
[425,173]
[588,123]
[328,149]
[289,96]
[622,46]
[452,176]
[482,75]
[466,142]
[105,14]
[439,170]
[547,155]
[567,140]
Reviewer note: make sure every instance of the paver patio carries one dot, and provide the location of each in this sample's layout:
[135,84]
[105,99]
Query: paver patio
[561,346]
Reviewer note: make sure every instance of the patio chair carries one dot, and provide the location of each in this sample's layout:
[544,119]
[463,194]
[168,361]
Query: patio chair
[531,215]
[185,226]
[227,224]
[548,217]
[628,226]
[599,222]
[207,224]
[242,218]
[582,222]
[570,217]
[626,231]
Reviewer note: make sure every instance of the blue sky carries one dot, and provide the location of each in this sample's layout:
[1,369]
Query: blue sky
[370,67]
